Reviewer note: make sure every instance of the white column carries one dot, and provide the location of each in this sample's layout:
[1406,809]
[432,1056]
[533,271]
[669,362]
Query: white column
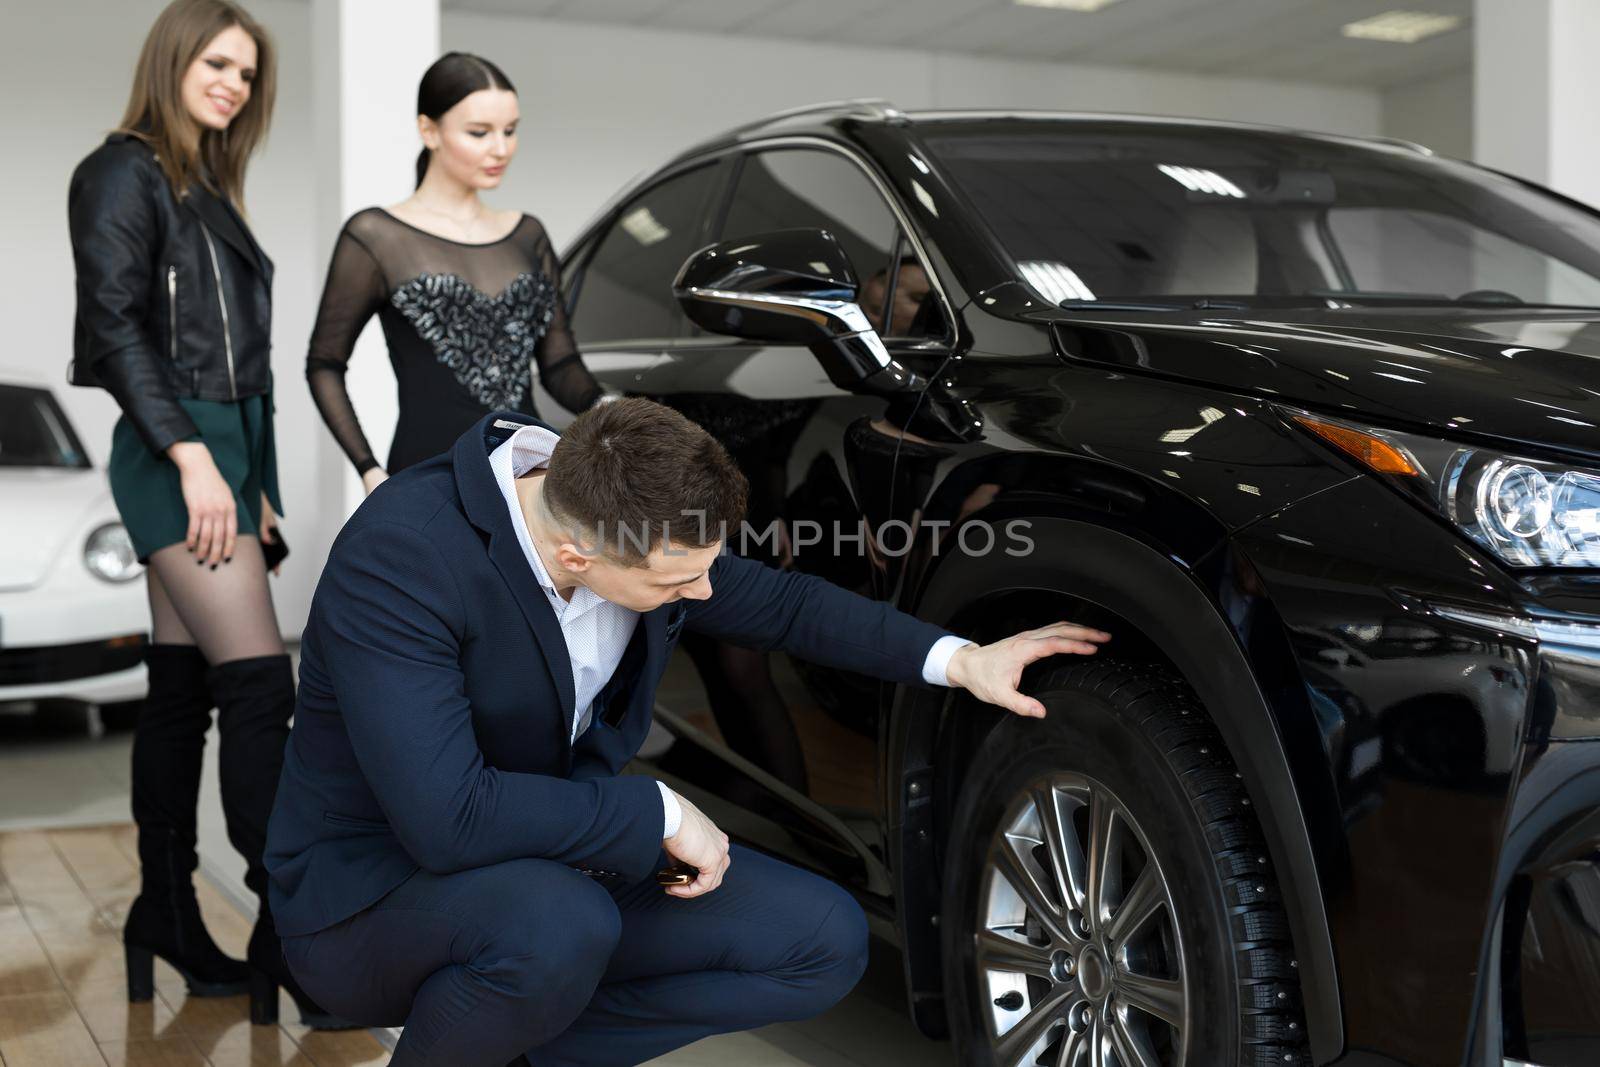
[1536,83]
[369,56]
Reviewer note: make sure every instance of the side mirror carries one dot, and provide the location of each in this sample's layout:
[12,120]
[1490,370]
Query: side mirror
[791,287]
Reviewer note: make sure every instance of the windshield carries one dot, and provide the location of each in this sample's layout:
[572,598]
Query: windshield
[1174,215]
[34,432]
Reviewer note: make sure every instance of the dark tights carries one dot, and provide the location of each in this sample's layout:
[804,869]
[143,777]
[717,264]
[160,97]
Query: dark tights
[227,612]
[748,708]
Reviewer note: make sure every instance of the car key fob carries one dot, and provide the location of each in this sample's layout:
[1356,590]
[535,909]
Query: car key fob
[677,874]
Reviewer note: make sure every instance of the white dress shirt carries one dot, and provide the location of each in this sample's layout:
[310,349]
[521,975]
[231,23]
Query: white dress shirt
[597,631]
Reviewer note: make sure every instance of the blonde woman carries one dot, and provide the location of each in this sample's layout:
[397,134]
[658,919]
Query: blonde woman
[173,319]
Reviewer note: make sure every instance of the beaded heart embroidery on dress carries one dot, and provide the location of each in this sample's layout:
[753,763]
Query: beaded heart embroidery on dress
[488,342]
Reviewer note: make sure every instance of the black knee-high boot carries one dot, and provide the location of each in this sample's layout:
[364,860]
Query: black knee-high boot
[168,747]
[255,699]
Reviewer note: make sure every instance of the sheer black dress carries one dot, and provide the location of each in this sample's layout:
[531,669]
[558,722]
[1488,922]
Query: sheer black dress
[466,325]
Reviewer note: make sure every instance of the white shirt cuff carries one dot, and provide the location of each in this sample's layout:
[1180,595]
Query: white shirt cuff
[933,667]
[672,809]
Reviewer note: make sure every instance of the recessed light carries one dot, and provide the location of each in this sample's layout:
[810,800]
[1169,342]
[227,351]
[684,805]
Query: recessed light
[1402,27]
[1068,5]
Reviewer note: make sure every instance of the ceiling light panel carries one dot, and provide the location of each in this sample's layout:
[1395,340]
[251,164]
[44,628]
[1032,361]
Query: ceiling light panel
[1402,27]
[1068,5]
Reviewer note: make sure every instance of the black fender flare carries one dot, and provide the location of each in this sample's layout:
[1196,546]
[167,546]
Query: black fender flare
[1172,608]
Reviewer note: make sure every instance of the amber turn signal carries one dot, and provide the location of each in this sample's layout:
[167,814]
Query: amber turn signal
[1370,451]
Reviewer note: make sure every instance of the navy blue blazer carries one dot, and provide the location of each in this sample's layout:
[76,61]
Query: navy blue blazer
[436,698]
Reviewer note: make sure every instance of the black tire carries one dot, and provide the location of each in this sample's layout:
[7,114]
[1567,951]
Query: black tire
[1134,741]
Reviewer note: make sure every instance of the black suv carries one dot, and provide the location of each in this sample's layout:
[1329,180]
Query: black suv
[1307,422]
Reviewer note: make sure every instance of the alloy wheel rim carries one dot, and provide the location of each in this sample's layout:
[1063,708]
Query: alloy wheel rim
[1078,954]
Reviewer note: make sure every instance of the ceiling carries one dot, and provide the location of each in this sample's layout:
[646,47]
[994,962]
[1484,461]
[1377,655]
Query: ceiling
[1296,40]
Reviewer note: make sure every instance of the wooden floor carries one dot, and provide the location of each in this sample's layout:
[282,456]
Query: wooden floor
[63,995]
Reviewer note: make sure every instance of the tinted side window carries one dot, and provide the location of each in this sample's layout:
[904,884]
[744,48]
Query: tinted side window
[786,188]
[625,290]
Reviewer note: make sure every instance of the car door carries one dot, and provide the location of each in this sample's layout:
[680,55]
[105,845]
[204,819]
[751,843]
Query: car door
[617,281]
[815,454]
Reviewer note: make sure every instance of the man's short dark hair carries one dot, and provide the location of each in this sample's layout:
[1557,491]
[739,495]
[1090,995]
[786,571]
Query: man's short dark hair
[629,471]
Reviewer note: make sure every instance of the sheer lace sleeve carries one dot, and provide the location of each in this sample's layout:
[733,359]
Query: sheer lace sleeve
[561,369]
[354,292]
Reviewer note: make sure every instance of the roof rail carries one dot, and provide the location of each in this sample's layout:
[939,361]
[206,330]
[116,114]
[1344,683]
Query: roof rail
[1401,142]
[936,114]
[867,107]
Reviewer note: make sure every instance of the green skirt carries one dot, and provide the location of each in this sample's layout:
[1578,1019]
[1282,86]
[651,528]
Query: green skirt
[149,493]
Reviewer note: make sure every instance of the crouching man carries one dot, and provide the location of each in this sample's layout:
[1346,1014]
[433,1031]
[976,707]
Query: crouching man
[454,848]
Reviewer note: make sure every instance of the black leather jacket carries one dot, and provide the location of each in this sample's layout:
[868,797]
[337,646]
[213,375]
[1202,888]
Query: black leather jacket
[174,297]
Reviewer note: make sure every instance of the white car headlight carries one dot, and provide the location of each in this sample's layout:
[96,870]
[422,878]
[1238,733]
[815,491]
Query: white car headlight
[109,555]
[1528,512]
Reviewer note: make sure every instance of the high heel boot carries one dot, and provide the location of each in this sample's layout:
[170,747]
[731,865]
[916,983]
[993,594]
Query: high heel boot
[255,698]
[168,746]
[269,971]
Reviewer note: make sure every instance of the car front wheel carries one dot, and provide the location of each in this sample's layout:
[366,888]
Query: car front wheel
[1108,899]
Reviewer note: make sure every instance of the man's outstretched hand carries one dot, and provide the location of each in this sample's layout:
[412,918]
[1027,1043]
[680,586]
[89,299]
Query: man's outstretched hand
[701,845]
[991,672]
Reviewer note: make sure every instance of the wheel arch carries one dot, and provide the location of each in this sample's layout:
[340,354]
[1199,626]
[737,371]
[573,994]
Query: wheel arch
[1159,612]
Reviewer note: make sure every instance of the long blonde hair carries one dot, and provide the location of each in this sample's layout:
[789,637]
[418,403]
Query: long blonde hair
[189,153]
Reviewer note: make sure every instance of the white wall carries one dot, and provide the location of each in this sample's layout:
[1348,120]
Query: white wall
[1535,81]
[1436,113]
[601,104]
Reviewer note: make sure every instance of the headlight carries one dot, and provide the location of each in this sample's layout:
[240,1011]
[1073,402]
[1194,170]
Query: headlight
[1528,512]
[108,553]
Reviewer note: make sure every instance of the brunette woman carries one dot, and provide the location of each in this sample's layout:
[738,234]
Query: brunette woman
[173,319]
[468,296]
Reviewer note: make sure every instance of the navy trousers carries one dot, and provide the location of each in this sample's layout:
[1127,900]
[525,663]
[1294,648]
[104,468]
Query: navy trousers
[531,957]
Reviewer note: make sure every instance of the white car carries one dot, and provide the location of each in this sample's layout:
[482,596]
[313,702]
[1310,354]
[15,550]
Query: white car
[73,615]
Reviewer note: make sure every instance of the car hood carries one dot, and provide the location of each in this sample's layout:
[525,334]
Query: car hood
[1515,374]
[46,511]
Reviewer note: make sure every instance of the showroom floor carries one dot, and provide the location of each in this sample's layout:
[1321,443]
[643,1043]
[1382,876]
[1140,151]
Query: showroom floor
[66,875]
[62,994]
